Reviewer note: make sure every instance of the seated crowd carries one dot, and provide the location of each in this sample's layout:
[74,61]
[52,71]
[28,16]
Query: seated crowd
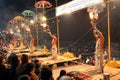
[22,68]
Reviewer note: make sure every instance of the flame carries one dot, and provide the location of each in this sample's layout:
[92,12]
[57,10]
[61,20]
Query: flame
[18,30]
[28,29]
[96,16]
[91,15]
[44,25]
[11,31]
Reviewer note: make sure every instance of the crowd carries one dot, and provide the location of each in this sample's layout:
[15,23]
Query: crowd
[22,68]
[13,67]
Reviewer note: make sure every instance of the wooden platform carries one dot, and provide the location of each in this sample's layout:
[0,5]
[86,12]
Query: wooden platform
[60,61]
[34,54]
[90,71]
[17,50]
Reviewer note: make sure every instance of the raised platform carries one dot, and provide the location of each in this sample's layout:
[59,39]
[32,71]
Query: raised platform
[90,71]
[17,50]
[60,61]
[34,54]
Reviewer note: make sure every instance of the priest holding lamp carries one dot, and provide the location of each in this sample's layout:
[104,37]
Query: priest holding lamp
[99,42]
[54,42]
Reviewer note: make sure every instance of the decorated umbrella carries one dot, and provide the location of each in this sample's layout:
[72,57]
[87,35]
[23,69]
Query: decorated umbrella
[43,4]
[12,21]
[18,18]
[10,24]
[28,13]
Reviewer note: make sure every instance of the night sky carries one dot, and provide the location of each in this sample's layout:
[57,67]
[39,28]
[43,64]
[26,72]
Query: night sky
[73,27]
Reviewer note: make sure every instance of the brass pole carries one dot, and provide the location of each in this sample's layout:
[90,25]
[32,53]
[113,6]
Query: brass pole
[37,35]
[109,47]
[36,26]
[58,50]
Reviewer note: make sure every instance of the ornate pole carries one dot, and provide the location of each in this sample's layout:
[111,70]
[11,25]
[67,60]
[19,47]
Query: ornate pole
[37,35]
[108,12]
[57,30]
[36,24]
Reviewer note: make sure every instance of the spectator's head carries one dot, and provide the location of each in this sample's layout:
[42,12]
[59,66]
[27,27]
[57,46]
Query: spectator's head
[29,68]
[46,73]
[24,77]
[62,72]
[37,64]
[13,60]
[37,67]
[24,58]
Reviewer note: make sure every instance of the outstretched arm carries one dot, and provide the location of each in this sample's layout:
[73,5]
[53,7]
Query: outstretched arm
[50,34]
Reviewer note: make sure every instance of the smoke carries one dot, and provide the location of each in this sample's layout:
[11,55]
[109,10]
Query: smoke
[97,8]
[6,13]
[9,9]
